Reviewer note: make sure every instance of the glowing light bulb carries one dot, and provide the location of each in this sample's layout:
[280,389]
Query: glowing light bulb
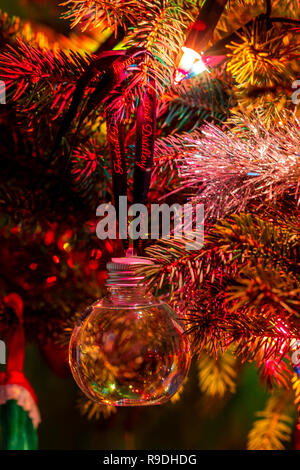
[198,67]
[188,58]
[191,64]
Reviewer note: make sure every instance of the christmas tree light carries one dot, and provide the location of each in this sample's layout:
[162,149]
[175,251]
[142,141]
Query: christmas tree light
[191,64]
[200,33]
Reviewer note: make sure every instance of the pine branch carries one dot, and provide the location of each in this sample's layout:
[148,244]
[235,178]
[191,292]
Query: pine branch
[255,240]
[217,375]
[41,82]
[103,13]
[273,427]
[230,245]
[245,289]
[186,107]
[242,11]
[255,336]
[260,288]
[162,32]
[173,145]
[296,391]
[270,354]
[90,171]
[263,57]
[263,62]
[24,65]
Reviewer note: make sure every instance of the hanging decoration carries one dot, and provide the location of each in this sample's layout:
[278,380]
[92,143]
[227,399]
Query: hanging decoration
[145,135]
[128,348]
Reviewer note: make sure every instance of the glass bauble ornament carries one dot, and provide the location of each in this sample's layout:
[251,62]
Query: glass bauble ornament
[128,348]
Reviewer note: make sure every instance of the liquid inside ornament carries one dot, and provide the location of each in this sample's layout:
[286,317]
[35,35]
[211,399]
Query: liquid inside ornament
[128,348]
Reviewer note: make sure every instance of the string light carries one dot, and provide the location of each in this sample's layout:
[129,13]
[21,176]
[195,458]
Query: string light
[199,35]
[191,64]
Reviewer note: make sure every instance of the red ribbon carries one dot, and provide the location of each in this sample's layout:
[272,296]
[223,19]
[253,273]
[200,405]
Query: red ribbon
[113,66]
[145,135]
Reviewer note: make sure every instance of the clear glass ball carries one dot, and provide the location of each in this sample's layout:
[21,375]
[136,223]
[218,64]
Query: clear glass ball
[129,350]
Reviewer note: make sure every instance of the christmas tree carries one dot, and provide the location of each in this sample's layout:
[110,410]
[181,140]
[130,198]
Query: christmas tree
[222,80]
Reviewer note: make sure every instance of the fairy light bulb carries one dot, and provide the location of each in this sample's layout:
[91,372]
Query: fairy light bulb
[199,34]
[188,58]
[128,348]
[198,67]
[191,64]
